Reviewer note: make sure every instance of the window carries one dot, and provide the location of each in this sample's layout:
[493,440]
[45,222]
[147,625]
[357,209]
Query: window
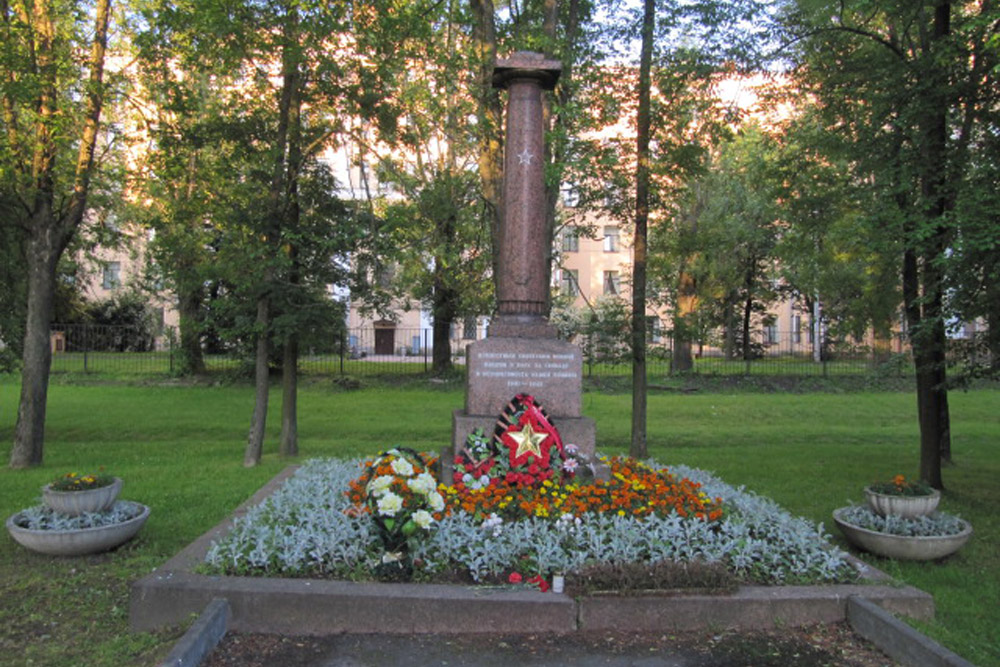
[796,328]
[384,275]
[570,285]
[571,240]
[611,239]
[612,283]
[469,329]
[654,329]
[570,196]
[112,275]
[770,334]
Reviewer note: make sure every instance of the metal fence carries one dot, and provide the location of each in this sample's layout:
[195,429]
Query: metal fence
[79,348]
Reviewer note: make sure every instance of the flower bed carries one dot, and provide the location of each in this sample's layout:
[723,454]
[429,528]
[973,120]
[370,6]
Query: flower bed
[313,527]
[932,525]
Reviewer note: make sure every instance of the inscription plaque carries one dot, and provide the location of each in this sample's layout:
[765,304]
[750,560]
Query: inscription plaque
[499,368]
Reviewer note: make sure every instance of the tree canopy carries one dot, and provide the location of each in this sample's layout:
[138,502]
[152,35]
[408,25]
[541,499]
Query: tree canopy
[866,194]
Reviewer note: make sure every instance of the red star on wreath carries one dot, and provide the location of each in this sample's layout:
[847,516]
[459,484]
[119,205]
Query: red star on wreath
[529,440]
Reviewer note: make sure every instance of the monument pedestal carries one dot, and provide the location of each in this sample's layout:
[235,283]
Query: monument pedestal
[549,369]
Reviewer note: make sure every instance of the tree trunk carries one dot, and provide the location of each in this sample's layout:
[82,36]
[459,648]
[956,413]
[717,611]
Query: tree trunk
[687,290]
[729,332]
[638,448]
[50,232]
[817,329]
[993,326]
[190,291]
[747,312]
[687,299]
[189,304]
[289,443]
[29,433]
[258,420]
[928,337]
[444,318]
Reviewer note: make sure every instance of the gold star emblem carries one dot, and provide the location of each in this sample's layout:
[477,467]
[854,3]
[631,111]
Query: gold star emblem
[527,441]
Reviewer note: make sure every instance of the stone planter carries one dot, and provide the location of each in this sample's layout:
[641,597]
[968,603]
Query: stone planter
[80,541]
[902,547]
[75,503]
[908,507]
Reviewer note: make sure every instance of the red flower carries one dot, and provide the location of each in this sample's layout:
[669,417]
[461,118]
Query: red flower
[515,578]
[539,581]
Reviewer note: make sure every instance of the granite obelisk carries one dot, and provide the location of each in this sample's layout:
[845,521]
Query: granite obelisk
[521,353]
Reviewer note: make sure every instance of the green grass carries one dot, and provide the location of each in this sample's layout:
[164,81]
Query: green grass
[179,450]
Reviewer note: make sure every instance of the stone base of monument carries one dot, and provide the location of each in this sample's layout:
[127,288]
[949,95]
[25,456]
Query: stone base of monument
[549,369]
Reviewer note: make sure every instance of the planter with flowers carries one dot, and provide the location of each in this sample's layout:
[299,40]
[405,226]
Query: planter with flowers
[73,494]
[902,497]
[80,515]
[900,522]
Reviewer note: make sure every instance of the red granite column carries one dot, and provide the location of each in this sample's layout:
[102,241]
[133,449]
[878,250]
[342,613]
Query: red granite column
[522,291]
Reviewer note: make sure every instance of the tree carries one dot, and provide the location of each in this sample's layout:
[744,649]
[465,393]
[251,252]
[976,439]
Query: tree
[727,243]
[52,102]
[182,177]
[637,448]
[911,87]
[830,257]
[489,117]
[440,236]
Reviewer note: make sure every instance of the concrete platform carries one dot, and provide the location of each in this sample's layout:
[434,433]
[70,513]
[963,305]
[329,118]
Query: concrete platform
[172,593]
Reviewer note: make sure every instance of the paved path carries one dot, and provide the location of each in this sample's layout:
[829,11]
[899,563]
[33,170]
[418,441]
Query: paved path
[828,646]
[355,652]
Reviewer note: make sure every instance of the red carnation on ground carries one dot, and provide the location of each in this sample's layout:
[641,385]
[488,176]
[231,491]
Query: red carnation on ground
[539,580]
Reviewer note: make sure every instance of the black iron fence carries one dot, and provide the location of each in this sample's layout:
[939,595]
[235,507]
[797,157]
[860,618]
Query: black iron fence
[394,351]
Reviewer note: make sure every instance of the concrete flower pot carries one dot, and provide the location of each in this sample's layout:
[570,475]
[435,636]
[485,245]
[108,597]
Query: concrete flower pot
[899,546]
[75,503]
[80,541]
[908,507]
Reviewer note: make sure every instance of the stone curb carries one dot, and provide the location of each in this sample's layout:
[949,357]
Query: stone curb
[202,637]
[897,639]
[174,591]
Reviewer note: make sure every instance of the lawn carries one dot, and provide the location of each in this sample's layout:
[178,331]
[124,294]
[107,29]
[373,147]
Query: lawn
[179,450]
